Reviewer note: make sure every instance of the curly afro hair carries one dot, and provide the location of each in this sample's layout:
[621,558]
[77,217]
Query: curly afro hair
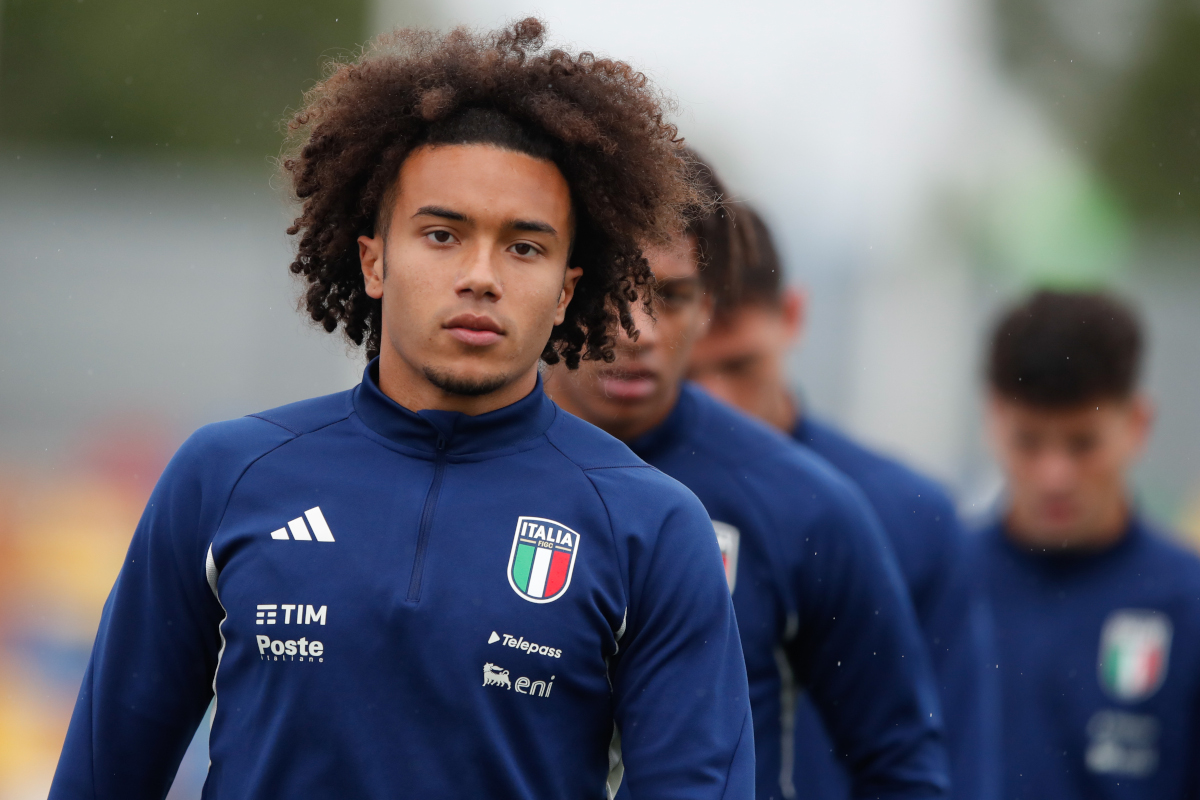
[599,121]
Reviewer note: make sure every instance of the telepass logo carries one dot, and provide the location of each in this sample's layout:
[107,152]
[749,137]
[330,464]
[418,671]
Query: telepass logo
[542,559]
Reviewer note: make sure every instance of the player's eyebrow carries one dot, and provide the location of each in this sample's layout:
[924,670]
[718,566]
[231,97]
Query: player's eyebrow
[690,280]
[444,213]
[534,226]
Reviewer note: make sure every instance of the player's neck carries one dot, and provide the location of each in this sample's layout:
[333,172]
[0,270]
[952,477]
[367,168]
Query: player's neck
[785,410]
[409,387]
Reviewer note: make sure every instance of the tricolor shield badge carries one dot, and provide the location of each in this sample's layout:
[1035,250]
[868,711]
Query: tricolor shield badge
[1135,645]
[543,559]
[728,539]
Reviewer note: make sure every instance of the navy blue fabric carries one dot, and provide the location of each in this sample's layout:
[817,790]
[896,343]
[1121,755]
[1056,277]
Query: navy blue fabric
[1066,734]
[920,522]
[409,603]
[817,595]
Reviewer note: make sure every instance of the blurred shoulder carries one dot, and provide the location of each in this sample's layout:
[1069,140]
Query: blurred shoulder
[766,461]
[870,468]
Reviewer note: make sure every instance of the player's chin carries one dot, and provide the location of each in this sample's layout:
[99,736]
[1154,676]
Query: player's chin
[468,379]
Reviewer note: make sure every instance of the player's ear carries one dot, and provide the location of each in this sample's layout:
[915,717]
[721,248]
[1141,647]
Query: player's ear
[1142,414]
[370,257]
[794,305]
[568,291]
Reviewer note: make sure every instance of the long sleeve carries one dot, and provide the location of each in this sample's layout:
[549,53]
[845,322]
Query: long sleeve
[859,653]
[958,628]
[152,666]
[682,706]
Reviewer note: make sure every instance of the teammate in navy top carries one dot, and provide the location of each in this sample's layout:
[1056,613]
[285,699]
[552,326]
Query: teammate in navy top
[437,584]
[1097,614]
[819,599]
[741,360]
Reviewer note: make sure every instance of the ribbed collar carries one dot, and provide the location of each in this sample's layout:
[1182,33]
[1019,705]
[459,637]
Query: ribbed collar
[458,433]
[672,430]
[1058,561]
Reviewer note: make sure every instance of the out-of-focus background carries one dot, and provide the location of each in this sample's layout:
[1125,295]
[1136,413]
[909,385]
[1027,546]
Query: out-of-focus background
[922,161]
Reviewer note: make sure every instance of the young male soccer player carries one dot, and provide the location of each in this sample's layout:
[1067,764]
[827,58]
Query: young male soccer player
[741,360]
[1097,613]
[819,601]
[437,584]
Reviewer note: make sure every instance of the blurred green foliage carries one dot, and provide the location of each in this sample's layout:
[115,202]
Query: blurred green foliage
[1122,80]
[134,75]
[1151,148]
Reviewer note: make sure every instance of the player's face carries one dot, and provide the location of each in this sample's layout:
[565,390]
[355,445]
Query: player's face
[472,271]
[639,388]
[1066,469]
[741,359]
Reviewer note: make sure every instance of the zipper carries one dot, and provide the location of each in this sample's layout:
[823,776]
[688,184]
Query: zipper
[431,498]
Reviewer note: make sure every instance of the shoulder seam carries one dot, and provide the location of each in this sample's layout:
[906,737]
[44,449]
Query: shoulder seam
[256,459]
[342,418]
[612,534]
[614,466]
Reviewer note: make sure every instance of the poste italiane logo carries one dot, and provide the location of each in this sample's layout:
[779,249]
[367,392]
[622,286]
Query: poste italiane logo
[1135,645]
[542,559]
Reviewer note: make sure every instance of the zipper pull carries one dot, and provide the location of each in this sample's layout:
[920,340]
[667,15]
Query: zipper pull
[441,443]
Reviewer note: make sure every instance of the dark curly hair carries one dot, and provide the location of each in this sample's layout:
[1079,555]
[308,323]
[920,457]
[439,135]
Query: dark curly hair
[599,121]
[723,240]
[1063,349]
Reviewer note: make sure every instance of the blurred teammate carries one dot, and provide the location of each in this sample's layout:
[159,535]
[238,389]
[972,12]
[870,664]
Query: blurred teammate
[1097,613]
[819,599]
[741,360]
[437,584]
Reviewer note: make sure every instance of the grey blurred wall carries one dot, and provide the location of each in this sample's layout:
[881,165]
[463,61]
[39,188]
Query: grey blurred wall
[140,290]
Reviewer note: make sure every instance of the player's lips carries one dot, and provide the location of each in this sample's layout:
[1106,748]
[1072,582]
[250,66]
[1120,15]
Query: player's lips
[474,329]
[628,384]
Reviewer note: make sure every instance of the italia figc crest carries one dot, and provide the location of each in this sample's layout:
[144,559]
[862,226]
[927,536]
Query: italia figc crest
[1135,645]
[542,559]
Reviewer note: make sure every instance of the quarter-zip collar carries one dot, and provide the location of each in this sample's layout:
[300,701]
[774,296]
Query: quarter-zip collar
[451,432]
[1062,562]
[672,430]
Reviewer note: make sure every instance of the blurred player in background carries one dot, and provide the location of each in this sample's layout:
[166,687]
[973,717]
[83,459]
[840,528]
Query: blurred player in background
[1097,613]
[437,584]
[741,360]
[819,599]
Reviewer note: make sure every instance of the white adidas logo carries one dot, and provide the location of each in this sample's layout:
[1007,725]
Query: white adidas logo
[320,529]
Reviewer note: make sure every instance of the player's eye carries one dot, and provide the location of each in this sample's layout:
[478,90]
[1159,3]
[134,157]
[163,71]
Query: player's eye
[440,237]
[675,296]
[524,249]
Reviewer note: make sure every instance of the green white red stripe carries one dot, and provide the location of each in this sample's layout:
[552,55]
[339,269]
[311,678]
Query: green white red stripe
[1134,648]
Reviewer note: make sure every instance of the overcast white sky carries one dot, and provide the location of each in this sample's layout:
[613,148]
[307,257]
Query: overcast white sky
[839,117]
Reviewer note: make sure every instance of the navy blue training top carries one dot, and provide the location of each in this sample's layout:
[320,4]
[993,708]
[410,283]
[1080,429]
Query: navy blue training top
[920,522]
[395,604]
[819,600]
[1100,667]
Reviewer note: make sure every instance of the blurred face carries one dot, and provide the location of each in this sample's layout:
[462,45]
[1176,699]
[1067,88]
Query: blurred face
[741,358]
[473,275]
[638,390]
[1066,469]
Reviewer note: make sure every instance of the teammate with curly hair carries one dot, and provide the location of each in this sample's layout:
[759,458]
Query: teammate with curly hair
[438,584]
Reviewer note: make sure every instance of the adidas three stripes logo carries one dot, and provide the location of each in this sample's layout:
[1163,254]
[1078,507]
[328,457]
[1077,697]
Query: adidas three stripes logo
[300,531]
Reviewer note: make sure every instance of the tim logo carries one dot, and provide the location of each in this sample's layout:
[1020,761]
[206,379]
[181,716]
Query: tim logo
[494,676]
[543,559]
